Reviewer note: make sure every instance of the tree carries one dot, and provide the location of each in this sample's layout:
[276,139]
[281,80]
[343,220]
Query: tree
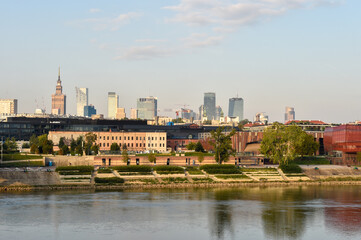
[191,146]
[283,143]
[90,139]
[10,145]
[79,143]
[199,147]
[114,147]
[95,149]
[222,144]
[33,140]
[200,157]
[125,156]
[151,157]
[242,123]
[61,142]
[64,150]
[72,146]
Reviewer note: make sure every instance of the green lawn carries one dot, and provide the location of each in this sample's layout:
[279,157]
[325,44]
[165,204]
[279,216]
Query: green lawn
[23,164]
[17,156]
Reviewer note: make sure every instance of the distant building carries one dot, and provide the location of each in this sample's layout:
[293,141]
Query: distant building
[147,108]
[261,118]
[133,113]
[219,113]
[113,100]
[81,100]
[58,100]
[89,111]
[290,114]
[235,108]
[187,113]
[8,106]
[120,113]
[210,105]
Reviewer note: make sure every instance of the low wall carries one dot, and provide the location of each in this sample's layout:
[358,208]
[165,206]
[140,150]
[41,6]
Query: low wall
[13,178]
[61,161]
[116,160]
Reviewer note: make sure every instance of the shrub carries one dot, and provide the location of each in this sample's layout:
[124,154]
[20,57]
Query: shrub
[10,157]
[217,166]
[133,168]
[109,180]
[202,180]
[291,168]
[258,170]
[75,169]
[311,161]
[194,171]
[175,180]
[23,164]
[234,176]
[220,169]
[104,170]
[168,168]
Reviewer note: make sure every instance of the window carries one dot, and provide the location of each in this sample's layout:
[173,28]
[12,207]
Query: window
[148,138]
[136,144]
[107,137]
[132,144]
[100,137]
[112,138]
[148,144]
[155,145]
[107,144]
[152,138]
[120,138]
[120,145]
[155,138]
[116,138]
[136,138]
[132,138]
[128,144]
[128,138]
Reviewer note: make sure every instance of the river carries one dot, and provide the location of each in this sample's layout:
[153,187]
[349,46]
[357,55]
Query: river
[306,212]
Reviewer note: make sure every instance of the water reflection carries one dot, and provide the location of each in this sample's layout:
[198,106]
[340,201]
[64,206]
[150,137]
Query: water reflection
[243,213]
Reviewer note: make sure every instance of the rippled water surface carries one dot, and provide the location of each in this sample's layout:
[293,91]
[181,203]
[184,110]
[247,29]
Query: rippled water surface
[242,213]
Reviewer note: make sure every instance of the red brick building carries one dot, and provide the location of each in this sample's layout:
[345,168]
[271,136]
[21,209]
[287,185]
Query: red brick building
[343,143]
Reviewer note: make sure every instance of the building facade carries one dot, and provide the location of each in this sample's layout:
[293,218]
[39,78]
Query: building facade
[290,114]
[133,113]
[134,141]
[8,106]
[81,100]
[120,113]
[89,111]
[147,108]
[235,108]
[113,101]
[58,100]
[210,105]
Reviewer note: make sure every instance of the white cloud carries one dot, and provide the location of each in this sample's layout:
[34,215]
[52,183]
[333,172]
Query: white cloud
[112,24]
[143,53]
[236,13]
[94,10]
[198,40]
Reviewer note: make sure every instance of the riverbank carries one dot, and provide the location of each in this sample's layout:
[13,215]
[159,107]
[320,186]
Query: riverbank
[24,188]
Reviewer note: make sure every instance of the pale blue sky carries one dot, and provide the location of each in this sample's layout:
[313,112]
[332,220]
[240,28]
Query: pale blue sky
[272,53]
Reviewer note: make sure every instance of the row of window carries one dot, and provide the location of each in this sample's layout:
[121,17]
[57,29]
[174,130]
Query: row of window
[132,145]
[129,138]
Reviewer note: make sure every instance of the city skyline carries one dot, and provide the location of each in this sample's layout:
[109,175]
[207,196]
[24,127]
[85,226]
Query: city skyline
[303,55]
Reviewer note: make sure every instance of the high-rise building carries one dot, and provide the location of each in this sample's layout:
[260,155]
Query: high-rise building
[261,118]
[81,100]
[8,106]
[58,100]
[120,113]
[235,108]
[147,108]
[219,113]
[290,114]
[89,111]
[133,113]
[113,100]
[187,113]
[210,105]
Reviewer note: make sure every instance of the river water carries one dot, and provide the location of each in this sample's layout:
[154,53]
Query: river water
[307,212]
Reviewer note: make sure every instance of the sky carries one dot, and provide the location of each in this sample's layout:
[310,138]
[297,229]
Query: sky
[273,53]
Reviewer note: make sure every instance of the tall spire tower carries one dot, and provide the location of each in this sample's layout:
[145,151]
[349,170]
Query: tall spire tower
[58,100]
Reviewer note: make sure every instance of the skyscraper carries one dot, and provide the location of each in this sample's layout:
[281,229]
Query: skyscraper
[89,111]
[290,114]
[210,105]
[235,108]
[81,100]
[58,100]
[219,113]
[133,113]
[113,99]
[147,108]
[8,106]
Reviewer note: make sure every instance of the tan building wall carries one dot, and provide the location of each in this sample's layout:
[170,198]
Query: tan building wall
[8,106]
[135,141]
[120,113]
